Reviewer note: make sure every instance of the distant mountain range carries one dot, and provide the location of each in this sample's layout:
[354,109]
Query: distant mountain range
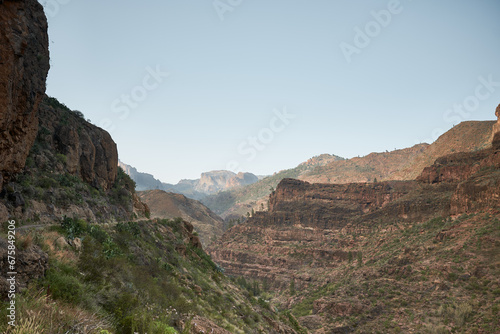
[232,195]
[209,183]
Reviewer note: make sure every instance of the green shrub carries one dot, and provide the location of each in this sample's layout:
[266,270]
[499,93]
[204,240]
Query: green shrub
[73,227]
[63,285]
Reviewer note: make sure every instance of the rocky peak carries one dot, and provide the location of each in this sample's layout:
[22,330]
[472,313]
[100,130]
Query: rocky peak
[24,64]
[215,181]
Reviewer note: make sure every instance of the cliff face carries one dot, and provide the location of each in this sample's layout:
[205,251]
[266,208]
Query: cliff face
[215,181]
[24,63]
[89,151]
[300,235]
[71,170]
[476,176]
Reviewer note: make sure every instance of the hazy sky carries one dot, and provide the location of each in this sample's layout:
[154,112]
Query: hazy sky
[263,85]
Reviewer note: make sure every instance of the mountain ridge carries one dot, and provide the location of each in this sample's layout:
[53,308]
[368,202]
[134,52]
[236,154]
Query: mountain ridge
[401,164]
[208,183]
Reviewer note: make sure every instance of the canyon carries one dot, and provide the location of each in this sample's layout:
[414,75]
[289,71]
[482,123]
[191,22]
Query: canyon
[313,232]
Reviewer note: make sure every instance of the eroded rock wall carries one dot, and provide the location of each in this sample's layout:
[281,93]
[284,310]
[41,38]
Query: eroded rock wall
[24,64]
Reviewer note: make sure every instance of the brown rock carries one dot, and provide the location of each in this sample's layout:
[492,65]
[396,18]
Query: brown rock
[302,227]
[31,264]
[88,150]
[77,244]
[140,209]
[24,63]
[61,243]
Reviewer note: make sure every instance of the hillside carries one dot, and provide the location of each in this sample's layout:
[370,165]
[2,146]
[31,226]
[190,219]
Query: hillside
[165,205]
[404,164]
[417,256]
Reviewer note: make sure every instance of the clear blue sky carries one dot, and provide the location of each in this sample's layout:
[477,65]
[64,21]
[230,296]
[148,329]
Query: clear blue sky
[391,86]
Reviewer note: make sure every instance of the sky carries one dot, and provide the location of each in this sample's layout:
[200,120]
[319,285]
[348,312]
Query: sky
[189,86]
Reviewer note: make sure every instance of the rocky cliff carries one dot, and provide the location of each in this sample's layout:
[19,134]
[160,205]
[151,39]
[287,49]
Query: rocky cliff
[305,220]
[89,151]
[311,216]
[71,170]
[476,176]
[402,164]
[24,63]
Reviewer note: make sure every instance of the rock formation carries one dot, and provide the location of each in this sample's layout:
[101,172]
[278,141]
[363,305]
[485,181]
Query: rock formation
[300,234]
[476,176]
[311,217]
[24,64]
[88,150]
[31,264]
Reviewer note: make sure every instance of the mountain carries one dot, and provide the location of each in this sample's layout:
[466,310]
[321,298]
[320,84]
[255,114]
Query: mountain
[410,256]
[209,182]
[166,205]
[403,164]
[237,202]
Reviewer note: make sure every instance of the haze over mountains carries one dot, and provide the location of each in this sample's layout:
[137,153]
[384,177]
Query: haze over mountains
[233,195]
[208,183]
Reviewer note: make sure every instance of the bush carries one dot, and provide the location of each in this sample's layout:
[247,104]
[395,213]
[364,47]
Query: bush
[61,284]
[73,227]
[129,227]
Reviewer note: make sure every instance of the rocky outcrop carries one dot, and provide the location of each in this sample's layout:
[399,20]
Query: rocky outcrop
[85,150]
[140,209]
[476,176]
[208,183]
[31,264]
[24,63]
[301,234]
[240,179]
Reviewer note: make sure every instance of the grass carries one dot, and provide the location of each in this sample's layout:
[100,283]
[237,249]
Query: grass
[142,277]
